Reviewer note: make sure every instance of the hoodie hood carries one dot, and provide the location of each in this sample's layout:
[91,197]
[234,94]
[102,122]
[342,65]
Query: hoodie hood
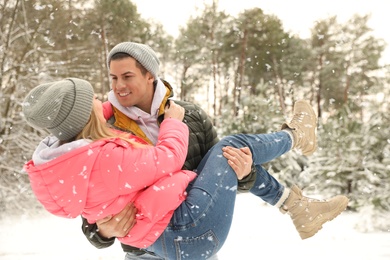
[68,164]
[147,122]
[50,148]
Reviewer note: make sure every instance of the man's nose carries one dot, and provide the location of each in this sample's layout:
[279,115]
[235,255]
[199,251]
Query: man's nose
[120,84]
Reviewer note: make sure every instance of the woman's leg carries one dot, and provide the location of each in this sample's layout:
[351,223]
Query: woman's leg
[264,148]
[201,224]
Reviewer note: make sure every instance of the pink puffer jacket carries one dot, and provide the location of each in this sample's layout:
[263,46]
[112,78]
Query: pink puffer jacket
[99,179]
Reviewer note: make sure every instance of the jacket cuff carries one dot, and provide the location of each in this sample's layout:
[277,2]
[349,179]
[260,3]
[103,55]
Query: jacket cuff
[248,182]
[104,242]
[90,232]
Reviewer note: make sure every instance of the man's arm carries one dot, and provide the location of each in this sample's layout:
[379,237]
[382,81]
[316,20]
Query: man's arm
[90,232]
[103,233]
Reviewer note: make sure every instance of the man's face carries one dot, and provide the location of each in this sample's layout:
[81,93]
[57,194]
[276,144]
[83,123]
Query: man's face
[130,86]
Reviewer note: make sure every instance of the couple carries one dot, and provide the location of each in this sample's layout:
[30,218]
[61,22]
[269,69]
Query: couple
[95,171]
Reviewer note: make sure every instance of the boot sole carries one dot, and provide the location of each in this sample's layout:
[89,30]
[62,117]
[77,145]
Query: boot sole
[322,220]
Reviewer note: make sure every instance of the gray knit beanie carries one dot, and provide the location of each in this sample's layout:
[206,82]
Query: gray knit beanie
[62,107]
[140,52]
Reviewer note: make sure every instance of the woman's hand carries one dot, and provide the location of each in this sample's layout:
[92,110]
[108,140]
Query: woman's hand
[173,110]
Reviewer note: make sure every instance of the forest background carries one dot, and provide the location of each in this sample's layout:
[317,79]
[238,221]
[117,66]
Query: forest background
[245,70]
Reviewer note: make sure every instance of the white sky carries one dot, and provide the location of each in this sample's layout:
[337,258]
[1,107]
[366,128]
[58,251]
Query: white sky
[298,16]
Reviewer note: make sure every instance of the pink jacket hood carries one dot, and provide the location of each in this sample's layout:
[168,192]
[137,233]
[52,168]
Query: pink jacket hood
[98,179]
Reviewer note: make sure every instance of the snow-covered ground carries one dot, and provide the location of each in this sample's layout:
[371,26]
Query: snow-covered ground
[258,231]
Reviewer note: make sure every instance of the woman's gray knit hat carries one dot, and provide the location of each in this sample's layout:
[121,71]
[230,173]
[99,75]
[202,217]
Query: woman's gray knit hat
[140,52]
[62,107]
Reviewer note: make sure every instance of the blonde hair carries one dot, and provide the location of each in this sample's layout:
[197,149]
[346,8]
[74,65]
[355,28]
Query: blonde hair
[95,130]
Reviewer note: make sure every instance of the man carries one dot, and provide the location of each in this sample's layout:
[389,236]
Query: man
[137,101]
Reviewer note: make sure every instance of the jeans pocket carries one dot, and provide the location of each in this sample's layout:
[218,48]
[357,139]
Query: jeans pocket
[201,247]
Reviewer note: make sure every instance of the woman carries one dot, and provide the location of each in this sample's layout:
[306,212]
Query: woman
[85,168]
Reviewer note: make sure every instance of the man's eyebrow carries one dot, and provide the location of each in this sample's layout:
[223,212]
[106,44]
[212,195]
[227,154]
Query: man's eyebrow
[124,73]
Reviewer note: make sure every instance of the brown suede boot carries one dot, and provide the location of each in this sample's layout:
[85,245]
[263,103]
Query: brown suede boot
[308,215]
[303,127]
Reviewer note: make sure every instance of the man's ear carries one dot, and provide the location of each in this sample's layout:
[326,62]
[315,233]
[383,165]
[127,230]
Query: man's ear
[150,76]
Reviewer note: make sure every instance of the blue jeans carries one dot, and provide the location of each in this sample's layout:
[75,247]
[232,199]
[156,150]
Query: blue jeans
[201,224]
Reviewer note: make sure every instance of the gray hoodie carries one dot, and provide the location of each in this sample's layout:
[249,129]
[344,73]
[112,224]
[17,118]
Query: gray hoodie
[147,122]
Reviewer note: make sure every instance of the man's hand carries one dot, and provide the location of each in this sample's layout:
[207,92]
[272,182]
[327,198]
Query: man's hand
[239,159]
[118,225]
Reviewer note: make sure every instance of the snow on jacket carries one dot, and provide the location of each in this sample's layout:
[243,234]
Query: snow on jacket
[97,179]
